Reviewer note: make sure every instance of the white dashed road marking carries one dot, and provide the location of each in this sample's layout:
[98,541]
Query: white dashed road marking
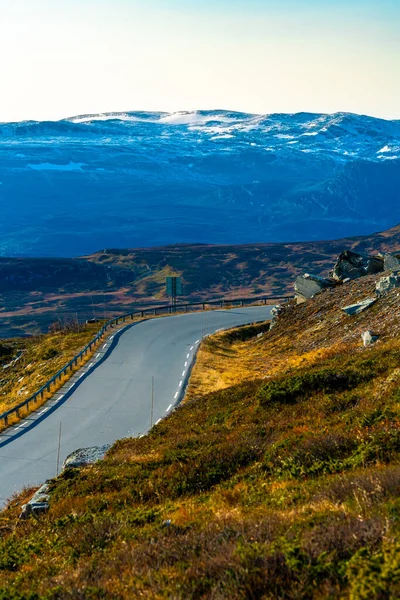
[23,425]
[176,395]
[169,408]
[180,383]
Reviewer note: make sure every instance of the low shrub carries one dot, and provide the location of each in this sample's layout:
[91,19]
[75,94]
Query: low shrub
[5,352]
[375,575]
[50,353]
[243,334]
[291,388]
[309,457]
[315,455]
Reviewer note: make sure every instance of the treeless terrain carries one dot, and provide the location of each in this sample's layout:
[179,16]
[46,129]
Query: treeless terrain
[279,477]
[35,292]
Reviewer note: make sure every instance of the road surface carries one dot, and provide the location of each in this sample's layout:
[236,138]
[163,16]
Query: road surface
[110,398]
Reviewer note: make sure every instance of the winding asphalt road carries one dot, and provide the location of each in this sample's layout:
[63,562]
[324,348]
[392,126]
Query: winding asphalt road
[111,397]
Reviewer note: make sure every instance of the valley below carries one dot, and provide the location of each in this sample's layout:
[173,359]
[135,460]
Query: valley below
[34,293]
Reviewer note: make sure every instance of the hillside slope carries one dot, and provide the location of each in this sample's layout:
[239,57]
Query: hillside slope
[281,482]
[36,292]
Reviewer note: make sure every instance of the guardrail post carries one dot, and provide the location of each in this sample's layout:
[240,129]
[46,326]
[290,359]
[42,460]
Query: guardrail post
[6,421]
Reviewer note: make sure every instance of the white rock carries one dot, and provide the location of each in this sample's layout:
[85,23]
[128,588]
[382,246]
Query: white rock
[368,338]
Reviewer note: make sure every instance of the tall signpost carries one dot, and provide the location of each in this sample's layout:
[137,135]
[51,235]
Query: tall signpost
[174,288]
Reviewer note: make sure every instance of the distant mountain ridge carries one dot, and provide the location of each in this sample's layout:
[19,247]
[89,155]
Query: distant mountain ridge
[139,179]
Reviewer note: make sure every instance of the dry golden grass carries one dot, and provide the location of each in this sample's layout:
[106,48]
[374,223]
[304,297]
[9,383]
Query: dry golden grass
[221,364]
[42,357]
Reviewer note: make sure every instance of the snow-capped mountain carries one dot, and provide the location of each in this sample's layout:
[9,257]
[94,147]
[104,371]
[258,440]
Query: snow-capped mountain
[141,179]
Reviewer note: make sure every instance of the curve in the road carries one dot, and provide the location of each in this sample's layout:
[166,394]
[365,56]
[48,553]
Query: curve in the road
[111,398]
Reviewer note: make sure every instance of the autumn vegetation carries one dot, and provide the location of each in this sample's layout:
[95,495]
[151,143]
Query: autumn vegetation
[278,478]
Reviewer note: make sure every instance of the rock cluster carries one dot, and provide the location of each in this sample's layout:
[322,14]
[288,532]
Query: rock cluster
[351,265]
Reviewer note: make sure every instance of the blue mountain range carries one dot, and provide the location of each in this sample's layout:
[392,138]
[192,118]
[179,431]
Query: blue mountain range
[139,179]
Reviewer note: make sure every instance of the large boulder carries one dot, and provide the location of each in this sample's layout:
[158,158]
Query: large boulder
[392,262]
[307,286]
[385,284]
[351,265]
[85,456]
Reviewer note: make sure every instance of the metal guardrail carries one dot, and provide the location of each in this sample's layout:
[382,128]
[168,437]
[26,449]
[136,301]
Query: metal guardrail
[153,310]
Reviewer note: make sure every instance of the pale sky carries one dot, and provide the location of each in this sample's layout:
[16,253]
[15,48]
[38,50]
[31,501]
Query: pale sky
[61,58]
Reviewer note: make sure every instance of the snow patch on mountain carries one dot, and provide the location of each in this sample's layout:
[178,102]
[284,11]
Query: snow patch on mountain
[71,166]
